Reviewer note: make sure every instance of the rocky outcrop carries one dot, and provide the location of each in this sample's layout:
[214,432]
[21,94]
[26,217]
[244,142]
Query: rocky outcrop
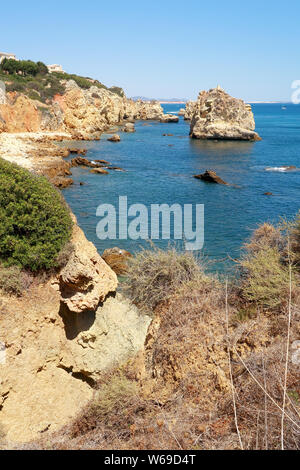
[53,358]
[37,152]
[58,338]
[117,259]
[129,127]
[86,280]
[169,118]
[114,138]
[217,115]
[83,113]
[144,111]
[99,171]
[20,114]
[189,110]
[210,177]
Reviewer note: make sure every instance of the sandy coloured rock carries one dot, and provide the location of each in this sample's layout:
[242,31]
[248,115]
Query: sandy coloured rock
[217,115]
[129,127]
[169,118]
[54,357]
[99,171]
[114,138]
[86,280]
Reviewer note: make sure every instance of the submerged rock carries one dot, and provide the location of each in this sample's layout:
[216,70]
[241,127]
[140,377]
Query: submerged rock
[99,171]
[217,115]
[105,162]
[114,138]
[61,182]
[211,177]
[115,168]
[79,151]
[80,161]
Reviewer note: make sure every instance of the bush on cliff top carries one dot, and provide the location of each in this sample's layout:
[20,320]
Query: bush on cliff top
[35,222]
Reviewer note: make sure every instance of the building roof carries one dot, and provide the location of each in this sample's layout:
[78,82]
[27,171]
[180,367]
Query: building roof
[6,53]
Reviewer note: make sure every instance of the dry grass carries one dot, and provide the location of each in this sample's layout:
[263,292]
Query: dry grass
[265,267]
[154,275]
[267,279]
[14,281]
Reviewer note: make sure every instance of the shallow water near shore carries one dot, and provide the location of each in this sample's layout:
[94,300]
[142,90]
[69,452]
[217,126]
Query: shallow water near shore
[160,169]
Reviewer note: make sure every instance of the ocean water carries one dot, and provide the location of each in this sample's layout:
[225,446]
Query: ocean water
[160,170]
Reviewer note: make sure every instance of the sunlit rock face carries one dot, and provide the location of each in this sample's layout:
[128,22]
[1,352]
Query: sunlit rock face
[217,115]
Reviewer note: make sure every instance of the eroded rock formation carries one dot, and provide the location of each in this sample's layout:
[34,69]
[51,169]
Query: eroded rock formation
[55,349]
[217,115]
[86,280]
[84,114]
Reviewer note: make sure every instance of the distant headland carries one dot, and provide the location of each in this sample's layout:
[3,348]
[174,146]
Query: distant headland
[161,100]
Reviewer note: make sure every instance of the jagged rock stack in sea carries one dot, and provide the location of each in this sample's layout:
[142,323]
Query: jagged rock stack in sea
[189,110]
[217,115]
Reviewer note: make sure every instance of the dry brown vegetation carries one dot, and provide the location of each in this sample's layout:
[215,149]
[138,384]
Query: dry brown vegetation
[216,371]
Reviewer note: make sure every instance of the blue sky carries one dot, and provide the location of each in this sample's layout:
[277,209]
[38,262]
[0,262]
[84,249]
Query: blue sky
[163,48]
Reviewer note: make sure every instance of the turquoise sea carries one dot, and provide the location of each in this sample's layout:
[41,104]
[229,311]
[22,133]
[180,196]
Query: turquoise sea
[160,170]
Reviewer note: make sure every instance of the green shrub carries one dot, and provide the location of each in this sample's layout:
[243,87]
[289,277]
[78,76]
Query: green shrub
[35,222]
[154,275]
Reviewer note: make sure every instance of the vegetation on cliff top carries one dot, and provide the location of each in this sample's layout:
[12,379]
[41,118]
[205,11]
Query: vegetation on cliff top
[35,222]
[34,80]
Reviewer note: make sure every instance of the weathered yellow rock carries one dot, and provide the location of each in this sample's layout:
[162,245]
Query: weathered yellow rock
[86,280]
[53,357]
[217,115]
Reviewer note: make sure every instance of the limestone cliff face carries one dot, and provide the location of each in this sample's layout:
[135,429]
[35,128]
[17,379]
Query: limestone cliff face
[217,115]
[88,112]
[84,114]
[58,343]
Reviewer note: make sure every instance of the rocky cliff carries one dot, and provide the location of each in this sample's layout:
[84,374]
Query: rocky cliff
[58,339]
[217,115]
[84,114]
[189,110]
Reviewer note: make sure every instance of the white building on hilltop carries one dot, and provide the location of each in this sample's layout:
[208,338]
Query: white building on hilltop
[5,55]
[55,68]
